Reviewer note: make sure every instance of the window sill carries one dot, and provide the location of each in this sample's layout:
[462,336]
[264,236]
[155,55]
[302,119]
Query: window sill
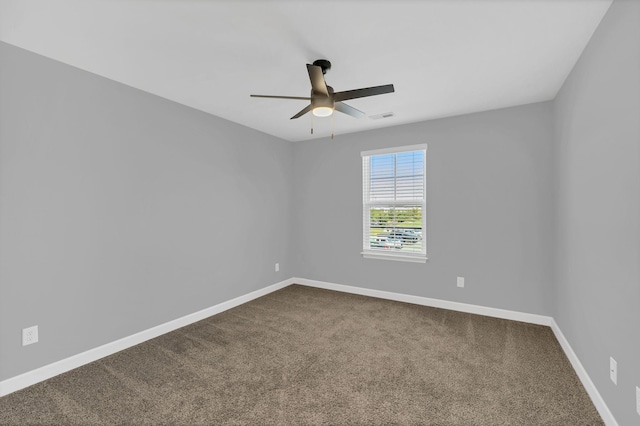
[418,258]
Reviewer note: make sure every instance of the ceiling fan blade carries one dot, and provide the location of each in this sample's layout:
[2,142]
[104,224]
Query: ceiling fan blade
[303,112]
[302,98]
[318,84]
[349,110]
[361,93]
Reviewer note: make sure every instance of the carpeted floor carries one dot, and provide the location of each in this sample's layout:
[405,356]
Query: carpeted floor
[309,356]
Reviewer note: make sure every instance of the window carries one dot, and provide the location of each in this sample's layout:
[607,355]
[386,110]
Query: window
[394,203]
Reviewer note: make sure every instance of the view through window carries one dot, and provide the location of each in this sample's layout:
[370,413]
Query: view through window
[394,202]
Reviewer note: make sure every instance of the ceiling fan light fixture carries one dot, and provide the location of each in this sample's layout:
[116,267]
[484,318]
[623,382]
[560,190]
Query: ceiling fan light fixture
[322,111]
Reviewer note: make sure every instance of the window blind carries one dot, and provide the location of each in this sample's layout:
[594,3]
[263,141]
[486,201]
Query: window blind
[394,201]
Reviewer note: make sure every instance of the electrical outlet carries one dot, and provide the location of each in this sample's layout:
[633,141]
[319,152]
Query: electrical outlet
[638,400]
[460,281]
[30,335]
[277,267]
[613,370]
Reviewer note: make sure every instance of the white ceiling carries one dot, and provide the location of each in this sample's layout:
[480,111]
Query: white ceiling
[445,57]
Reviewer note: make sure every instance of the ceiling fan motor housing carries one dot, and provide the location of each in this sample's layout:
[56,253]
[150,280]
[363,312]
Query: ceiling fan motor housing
[321,100]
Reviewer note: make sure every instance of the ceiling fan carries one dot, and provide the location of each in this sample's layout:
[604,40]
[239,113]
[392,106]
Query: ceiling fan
[324,100]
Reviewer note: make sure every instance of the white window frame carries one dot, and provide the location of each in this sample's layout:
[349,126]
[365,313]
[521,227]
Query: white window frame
[369,253]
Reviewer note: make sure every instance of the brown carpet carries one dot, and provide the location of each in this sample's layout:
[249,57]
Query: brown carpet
[309,356]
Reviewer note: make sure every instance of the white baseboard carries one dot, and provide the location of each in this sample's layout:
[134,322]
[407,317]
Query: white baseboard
[34,376]
[591,389]
[434,303]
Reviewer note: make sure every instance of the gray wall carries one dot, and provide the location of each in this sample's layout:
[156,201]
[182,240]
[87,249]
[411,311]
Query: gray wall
[120,210]
[489,210]
[597,302]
